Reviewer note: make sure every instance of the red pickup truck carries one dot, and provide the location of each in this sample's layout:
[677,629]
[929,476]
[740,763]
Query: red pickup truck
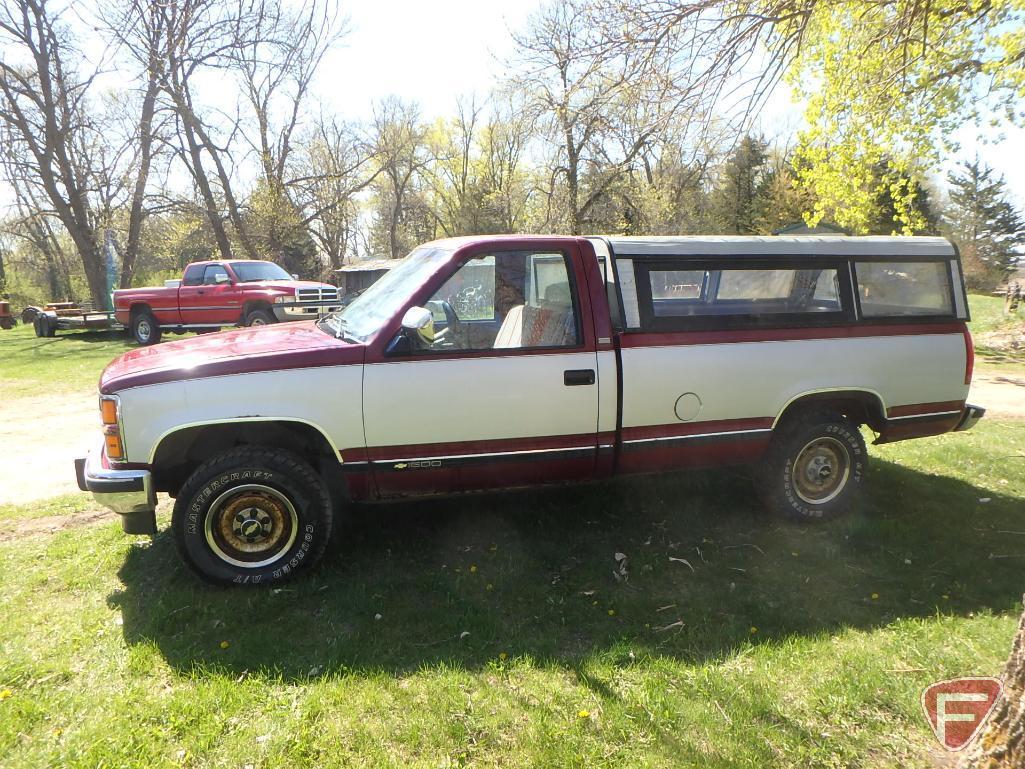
[211,295]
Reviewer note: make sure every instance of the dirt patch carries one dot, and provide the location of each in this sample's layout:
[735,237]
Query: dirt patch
[49,524]
[1000,393]
[1009,340]
[42,435]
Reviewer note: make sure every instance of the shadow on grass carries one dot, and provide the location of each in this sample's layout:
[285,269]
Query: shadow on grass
[532,573]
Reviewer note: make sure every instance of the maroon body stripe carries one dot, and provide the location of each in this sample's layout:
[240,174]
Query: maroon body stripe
[696,428]
[913,409]
[733,336]
[469,448]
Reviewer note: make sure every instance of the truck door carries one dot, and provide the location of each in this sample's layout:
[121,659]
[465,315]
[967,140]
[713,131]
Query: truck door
[506,395]
[215,300]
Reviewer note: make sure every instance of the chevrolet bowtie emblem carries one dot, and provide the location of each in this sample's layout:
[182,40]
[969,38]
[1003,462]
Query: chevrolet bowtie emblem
[400,466]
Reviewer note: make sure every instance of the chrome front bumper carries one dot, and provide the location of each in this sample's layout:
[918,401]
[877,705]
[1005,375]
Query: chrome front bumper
[969,417]
[302,310]
[129,493]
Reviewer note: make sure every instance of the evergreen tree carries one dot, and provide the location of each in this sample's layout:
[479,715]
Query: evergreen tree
[984,224]
[735,207]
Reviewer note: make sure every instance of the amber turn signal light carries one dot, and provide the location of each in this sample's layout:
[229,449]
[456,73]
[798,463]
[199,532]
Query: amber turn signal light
[108,411]
[113,446]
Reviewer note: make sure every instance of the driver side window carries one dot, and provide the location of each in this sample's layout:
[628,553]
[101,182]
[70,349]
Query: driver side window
[508,300]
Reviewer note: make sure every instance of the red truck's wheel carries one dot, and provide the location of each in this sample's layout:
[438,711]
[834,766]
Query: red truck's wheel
[252,516]
[145,328]
[814,467]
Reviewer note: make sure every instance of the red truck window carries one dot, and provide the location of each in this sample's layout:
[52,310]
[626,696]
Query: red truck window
[194,275]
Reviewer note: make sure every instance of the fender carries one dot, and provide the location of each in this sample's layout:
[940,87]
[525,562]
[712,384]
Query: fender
[826,392]
[240,420]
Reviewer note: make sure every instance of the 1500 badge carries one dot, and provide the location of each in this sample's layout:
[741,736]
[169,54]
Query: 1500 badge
[421,464]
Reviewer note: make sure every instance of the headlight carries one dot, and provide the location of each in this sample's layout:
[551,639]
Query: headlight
[110,414]
[283,299]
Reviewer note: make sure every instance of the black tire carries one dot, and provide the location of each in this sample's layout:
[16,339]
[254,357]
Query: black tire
[145,329]
[28,315]
[45,326]
[813,468]
[252,516]
[259,318]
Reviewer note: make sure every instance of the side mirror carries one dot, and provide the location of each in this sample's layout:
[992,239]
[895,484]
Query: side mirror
[419,321]
[221,277]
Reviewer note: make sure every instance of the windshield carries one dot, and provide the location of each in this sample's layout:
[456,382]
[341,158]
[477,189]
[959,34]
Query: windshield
[382,301]
[250,272]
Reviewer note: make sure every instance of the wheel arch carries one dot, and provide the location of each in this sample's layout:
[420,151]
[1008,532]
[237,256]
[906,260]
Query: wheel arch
[255,304]
[860,405]
[178,451]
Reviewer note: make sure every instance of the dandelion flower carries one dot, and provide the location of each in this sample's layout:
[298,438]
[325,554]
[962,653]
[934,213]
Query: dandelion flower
[502,656]
[225,644]
[612,612]
[473,569]
[584,714]
[753,630]
[5,694]
[875,596]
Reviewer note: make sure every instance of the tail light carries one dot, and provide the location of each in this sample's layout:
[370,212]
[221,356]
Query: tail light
[969,350]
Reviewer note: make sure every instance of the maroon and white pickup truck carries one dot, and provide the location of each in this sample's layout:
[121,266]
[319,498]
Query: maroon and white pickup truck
[499,362]
[211,295]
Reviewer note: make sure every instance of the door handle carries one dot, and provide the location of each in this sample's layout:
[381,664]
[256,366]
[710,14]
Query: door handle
[200,291]
[581,376]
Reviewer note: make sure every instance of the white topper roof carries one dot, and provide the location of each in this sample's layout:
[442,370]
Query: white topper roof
[782,245]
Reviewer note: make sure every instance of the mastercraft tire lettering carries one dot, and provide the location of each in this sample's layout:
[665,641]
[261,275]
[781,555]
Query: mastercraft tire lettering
[814,467]
[252,516]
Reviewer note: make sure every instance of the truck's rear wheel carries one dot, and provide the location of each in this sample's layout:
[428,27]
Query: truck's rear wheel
[145,328]
[813,468]
[252,516]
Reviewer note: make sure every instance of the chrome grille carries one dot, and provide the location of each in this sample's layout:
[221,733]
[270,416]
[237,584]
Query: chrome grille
[317,295]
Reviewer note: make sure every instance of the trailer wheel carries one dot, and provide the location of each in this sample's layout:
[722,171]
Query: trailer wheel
[145,328]
[28,315]
[813,468]
[252,516]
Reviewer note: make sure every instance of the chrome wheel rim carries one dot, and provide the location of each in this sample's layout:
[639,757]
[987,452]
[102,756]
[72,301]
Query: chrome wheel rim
[258,322]
[821,470]
[251,526]
[144,330]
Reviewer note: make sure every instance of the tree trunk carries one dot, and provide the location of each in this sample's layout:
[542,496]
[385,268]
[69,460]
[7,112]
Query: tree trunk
[137,213]
[1002,742]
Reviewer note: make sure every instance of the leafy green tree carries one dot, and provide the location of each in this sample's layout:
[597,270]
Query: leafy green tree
[735,198]
[983,222]
[278,232]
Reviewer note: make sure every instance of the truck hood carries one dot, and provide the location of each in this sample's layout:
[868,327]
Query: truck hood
[248,350]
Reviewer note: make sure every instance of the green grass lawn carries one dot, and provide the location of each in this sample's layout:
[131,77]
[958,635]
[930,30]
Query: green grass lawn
[491,631]
[69,361]
[988,315]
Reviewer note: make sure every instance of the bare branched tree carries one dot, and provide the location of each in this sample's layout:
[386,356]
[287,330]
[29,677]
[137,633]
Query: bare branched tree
[62,147]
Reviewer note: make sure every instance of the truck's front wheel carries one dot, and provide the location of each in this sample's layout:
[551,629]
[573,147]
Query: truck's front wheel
[813,468]
[252,516]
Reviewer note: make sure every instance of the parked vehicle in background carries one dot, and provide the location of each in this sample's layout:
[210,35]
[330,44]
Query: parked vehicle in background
[498,362]
[7,319]
[215,294]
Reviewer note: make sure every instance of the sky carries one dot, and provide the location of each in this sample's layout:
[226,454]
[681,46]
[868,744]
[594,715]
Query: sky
[434,52]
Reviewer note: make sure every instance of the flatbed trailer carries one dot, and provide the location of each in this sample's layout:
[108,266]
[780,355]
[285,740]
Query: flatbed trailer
[70,316]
